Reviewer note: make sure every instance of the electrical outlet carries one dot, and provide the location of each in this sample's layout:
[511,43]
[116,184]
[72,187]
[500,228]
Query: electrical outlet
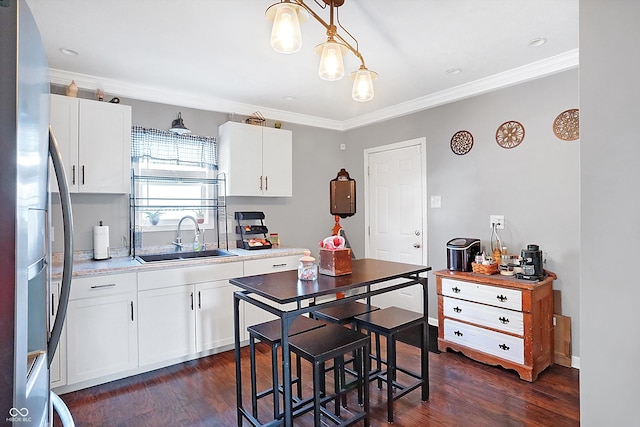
[496,219]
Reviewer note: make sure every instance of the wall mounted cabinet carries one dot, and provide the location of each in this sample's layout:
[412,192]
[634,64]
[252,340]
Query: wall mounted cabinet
[256,160]
[95,143]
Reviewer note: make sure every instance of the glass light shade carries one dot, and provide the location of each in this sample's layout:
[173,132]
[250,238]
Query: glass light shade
[285,33]
[363,84]
[331,63]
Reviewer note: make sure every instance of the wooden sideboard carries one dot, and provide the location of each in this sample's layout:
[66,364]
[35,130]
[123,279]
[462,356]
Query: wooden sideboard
[498,320]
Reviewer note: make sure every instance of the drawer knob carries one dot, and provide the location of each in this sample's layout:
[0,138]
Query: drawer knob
[457,309]
[504,347]
[458,333]
[503,320]
[501,298]
[456,290]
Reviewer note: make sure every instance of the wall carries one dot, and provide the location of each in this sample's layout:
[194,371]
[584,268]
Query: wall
[302,220]
[610,234]
[535,185]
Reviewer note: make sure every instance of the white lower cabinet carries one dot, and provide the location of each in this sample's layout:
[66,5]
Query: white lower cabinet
[58,368]
[182,312]
[102,328]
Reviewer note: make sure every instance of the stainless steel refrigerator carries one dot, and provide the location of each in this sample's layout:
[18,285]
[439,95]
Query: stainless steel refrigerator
[27,340]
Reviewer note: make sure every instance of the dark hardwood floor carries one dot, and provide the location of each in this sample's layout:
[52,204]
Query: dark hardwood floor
[463,393]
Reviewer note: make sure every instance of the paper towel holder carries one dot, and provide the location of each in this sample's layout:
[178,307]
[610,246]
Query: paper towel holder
[101,249]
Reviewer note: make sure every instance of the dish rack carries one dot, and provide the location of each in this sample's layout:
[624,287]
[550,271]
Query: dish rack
[251,224]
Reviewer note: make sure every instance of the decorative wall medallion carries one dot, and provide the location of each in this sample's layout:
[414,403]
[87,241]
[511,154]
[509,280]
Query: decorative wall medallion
[510,134]
[461,142]
[566,126]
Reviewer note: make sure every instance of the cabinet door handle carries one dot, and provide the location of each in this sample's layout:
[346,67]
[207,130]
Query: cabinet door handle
[503,320]
[199,300]
[266,183]
[53,309]
[191,300]
[82,174]
[501,298]
[132,311]
[504,347]
[260,182]
[107,285]
[457,309]
[455,290]
[458,333]
[73,174]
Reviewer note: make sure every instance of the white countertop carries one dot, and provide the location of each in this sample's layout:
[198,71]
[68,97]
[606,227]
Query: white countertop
[119,264]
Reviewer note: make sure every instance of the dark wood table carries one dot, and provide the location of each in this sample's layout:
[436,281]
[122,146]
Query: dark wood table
[284,287]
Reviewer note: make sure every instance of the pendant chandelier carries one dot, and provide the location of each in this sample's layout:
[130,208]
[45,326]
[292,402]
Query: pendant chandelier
[287,15]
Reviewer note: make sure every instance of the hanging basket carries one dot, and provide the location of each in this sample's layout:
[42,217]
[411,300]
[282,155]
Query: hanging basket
[256,119]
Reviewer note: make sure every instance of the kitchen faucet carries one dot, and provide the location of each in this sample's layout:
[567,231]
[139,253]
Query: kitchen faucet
[178,242]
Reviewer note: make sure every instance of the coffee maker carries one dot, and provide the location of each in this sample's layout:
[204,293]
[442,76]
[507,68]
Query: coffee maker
[531,263]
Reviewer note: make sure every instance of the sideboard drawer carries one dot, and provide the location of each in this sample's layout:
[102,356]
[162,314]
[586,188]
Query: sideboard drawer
[484,315]
[495,343]
[493,295]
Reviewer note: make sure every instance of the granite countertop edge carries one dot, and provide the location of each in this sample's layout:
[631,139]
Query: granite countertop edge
[127,263]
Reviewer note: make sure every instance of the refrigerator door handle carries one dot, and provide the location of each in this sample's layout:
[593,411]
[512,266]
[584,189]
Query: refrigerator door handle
[67,226]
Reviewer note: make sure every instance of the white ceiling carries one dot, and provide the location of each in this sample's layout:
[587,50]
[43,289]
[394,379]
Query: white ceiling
[215,54]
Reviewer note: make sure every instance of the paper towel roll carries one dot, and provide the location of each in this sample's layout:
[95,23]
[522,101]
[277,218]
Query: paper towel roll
[101,242]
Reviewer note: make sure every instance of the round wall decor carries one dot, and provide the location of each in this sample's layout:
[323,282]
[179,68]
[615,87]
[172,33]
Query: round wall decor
[461,142]
[566,126]
[510,134]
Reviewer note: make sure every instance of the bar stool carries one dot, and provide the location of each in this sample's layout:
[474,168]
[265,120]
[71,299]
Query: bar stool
[270,333]
[389,322]
[345,314]
[333,342]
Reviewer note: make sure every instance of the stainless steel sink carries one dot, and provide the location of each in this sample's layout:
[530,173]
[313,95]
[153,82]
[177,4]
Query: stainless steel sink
[176,256]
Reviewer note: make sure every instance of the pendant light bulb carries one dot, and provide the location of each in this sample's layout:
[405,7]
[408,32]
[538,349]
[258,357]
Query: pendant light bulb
[285,33]
[363,84]
[331,63]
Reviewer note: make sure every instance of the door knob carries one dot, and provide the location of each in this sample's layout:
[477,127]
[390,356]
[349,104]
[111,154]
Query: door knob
[416,245]
[417,232]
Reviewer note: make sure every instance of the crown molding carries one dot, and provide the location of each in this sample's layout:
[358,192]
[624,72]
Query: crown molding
[535,70]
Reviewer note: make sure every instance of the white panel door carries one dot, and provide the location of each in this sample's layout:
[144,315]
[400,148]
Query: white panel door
[396,212]
[166,323]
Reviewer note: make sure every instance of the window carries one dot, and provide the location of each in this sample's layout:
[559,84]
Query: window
[175,169]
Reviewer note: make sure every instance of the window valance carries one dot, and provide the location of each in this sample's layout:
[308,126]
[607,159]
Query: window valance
[162,146]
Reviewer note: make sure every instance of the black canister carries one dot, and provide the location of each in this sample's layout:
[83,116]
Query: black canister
[532,256]
[461,252]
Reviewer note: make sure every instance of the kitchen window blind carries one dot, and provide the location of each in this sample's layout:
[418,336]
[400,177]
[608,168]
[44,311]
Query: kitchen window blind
[165,147]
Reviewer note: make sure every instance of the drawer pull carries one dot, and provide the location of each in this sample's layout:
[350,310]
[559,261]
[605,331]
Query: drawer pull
[504,347]
[501,298]
[108,285]
[279,265]
[458,333]
[503,320]
[457,309]
[456,290]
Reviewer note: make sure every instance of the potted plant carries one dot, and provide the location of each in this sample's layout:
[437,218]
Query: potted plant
[153,217]
[199,216]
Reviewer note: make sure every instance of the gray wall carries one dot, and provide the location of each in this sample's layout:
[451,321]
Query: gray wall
[535,185]
[610,234]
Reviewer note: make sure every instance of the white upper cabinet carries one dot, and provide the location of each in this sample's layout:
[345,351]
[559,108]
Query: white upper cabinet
[257,160]
[95,143]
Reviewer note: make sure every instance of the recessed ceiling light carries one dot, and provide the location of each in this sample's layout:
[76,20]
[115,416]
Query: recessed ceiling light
[288,98]
[538,41]
[68,52]
[453,71]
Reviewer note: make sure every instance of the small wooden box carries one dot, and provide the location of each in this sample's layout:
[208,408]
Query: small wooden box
[562,340]
[335,263]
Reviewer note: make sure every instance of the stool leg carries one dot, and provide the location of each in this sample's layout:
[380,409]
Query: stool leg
[339,381]
[252,361]
[317,368]
[365,383]
[274,375]
[378,359]
[299,376]
[424,359]
[343,378]
[391,374]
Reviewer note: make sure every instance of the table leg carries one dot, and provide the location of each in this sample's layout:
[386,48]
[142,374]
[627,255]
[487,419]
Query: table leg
[286,321]
[236,331]
[424,352]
